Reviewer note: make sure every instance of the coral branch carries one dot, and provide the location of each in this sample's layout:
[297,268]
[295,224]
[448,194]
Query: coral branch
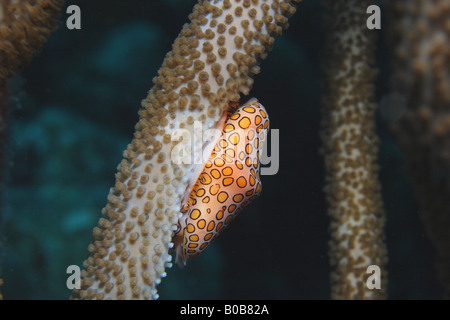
[24,27]
[421,44]
[350,151]
[211,63]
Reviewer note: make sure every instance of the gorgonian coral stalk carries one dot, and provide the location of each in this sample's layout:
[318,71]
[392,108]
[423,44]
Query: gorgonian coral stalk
[350,151]
[211,63]
[24,27]
[421,47]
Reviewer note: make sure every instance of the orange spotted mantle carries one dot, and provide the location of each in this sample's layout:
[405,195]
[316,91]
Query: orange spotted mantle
[229,180]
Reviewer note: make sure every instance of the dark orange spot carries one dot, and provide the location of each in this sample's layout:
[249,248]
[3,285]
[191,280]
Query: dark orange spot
[234,138]
[241,182]
[201,224]
[249,109]
[227,171]
[219,226]
[222,197]
[192,245]
[251,134]
[190,228]
[252,181]
[227,181]
[231,208]
[195,214]
[204,245]
[259,128]
[256,143]
[223,143]
[244,123]
[230,152]
[219,215]
[200,192]
[219,162]
[238,198]
[258,120]
[229,127]
[214,189]
[211,226]
[228,219]
[193,237]
[205,199]
[215,173]
[239,165]
[208,236]
[205,178]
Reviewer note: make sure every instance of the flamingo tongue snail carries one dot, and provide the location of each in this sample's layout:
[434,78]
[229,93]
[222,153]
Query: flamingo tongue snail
[229,180]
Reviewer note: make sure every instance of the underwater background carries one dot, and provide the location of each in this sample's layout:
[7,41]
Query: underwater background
[73,112]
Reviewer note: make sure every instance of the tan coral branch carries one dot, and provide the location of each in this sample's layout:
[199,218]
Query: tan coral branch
[211,63]
[24,27]
[350,151]
[421,45]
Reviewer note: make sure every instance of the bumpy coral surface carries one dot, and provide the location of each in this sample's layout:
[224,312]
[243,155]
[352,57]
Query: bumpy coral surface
[24,26]
[351,148]
[211,63]
[421,47]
